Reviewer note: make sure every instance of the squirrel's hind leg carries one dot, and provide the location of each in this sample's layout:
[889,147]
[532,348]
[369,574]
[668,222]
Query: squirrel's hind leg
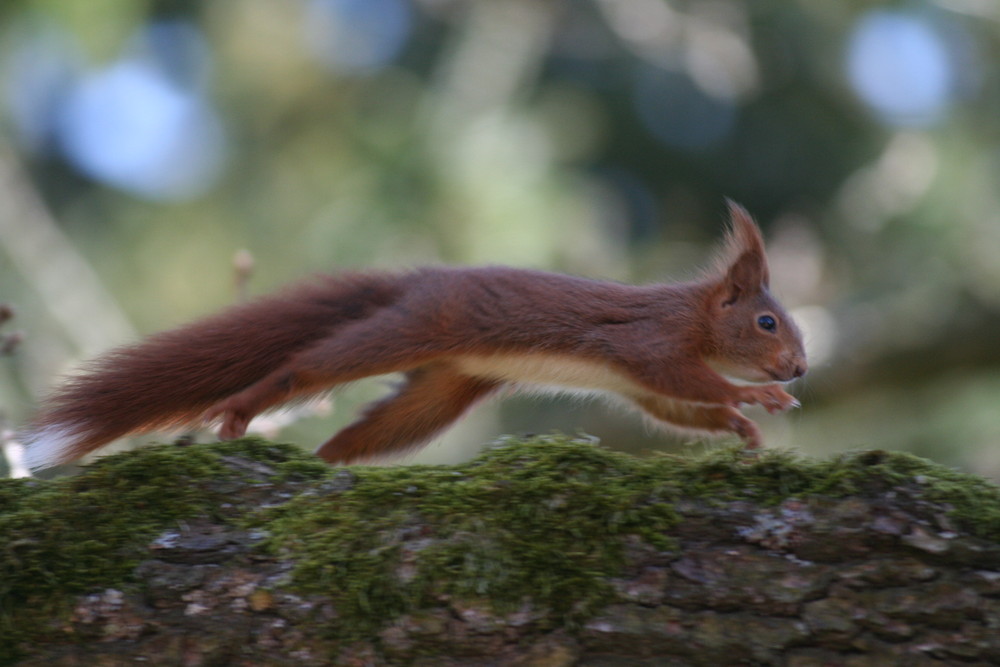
[430,399]
[371,347]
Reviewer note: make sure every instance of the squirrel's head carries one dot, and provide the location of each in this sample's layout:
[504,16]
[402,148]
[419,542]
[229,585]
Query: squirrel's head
[752,338]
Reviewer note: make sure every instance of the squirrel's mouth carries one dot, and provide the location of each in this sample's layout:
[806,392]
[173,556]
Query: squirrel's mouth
[780,372]
[777,376]
[745,375]
[787,375]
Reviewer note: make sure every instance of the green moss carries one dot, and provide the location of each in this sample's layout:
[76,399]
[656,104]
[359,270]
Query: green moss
[773,476]
[13,491]
[537,522]
[301,469]
[542,522]
[74,535]
[539,526]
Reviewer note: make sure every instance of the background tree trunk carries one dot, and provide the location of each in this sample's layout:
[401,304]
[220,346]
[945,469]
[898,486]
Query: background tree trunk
[544,552]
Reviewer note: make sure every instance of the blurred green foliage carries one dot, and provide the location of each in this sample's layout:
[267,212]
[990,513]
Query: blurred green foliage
[596,137]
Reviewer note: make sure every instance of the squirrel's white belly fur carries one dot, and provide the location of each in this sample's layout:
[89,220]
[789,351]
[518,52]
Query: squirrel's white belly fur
[549,372]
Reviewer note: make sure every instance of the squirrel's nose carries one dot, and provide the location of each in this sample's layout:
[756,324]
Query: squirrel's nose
[800,370]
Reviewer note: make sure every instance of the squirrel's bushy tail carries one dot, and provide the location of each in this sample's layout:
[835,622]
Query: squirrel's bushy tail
[170,379]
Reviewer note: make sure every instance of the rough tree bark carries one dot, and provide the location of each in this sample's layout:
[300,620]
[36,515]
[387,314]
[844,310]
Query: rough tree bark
[544,552]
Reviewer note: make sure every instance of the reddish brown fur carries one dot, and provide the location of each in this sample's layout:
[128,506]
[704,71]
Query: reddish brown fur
[659,346]
[170,379]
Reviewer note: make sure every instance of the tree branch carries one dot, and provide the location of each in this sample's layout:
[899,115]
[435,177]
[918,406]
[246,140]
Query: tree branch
[549,551]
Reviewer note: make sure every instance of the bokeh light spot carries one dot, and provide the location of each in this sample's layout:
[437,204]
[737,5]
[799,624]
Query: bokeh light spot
[131,125]
[357,36]
[900,66]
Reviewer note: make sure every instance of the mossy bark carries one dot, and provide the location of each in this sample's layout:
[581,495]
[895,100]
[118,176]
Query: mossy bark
[545,552]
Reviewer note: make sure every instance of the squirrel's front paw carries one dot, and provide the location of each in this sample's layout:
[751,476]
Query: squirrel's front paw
[771,396]
[745,429]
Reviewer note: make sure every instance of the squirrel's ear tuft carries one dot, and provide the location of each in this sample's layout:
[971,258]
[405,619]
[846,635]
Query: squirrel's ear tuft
[742,264]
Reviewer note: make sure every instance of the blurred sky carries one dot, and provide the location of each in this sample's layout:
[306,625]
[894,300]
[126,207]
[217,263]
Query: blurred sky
[145,143]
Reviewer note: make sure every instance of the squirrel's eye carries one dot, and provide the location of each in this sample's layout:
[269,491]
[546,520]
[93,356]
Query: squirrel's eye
[767,323]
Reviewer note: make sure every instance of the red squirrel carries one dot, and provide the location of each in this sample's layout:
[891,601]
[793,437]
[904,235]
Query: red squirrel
[459,335]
